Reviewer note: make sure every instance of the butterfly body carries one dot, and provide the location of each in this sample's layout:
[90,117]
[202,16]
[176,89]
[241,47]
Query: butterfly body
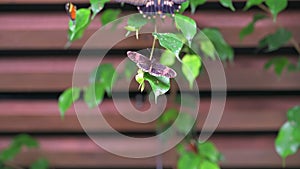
[153,67]
[153,7]
[71,10]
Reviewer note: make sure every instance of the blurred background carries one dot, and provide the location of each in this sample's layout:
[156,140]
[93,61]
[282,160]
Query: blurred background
[35,68]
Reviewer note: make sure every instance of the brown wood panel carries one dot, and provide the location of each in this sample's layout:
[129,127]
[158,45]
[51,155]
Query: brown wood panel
[241,114]
[74,1]
[55,74]
[49,30]
[77,152]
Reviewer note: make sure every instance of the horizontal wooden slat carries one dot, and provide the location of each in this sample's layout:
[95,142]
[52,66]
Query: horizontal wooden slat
[49,30]
[241,114]
[80,152]
[55,74]
[74,1]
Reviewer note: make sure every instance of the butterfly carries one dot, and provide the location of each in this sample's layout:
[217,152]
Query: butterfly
[153,67]
[71,10]
[154,7]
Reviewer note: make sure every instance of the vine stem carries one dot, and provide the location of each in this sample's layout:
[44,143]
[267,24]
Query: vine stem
[154,40]
[293,40]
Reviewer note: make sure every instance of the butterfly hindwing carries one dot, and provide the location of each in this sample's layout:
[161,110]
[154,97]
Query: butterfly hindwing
[134,2]
[71,10]
[158,69]
[153,67]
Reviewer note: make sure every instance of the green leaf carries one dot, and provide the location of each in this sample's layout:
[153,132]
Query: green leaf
[185,123]
[276,6]
[41,163]
[227,4]
[251,3]
[167,58]
[93,94]
[184,6]
[25,140]
[285,143]
[293,115]
[82,21]
[207,48]
[224,50]
[67,98]
[195,3]
[191,65]
[189,161]
[159,85]
[168,117]
[208,150]
[250,27]
[169,41]
[208,165]
[276,40]
[104,74]
[187,26]
[15,147]
[136,21]
[109,15]
[279,64]
[97,6]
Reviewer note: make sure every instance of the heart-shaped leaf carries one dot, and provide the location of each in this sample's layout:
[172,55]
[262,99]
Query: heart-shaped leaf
[276,40]
[82,21]
[225,52]
[104,74]
[191,65]
[187,26]
[279,64]
[97,6]
[276,6]
[251,3]
[189,160]
[209,150]
[250,27]
[227,4]
[293,115]
[109,15]
[208,165]
[93,94]
[159,85]
[195,3]
[67,98]
[170,41]
[167,58]
[285,143]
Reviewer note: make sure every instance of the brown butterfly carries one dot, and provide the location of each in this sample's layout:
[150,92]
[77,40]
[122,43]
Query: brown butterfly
[152,7]
[153,67]
[71,10]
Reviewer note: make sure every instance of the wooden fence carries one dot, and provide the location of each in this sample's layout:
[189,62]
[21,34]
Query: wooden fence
[35,68]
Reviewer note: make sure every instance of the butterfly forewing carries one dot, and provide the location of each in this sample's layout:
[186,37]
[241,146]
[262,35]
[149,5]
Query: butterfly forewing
[158,69]
[153,67]
[134,2]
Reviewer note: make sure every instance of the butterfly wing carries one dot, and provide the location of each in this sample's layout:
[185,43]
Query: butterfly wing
[141,61]
[71,10]
[178,1]
[158,69]
[134,2]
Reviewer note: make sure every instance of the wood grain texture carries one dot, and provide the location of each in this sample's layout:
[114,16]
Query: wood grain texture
[55,74]
[80,152]
[240,114]
[49,30]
